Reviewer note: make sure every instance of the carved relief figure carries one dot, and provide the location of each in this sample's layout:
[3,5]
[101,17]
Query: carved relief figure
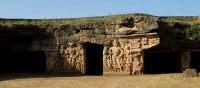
[105,59]
[154,41]
[144,43]
[137,65]
[116,53]
[78,64]
[136,43]
[128,56]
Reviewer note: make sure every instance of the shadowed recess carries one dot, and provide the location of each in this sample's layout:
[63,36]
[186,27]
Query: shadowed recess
[94,59]
[23,62]
[195,59]
[162,62]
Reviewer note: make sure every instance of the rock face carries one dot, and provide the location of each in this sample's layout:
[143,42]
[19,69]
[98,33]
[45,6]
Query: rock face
[124,39]
[190,72]
[132,25]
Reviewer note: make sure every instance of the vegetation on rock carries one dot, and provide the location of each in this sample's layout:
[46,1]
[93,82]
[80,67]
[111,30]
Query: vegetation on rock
[175,29]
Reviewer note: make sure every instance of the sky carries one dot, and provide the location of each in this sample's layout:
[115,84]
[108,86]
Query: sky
[40,9]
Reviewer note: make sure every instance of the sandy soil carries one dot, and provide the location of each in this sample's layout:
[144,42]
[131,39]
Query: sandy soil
[108,80]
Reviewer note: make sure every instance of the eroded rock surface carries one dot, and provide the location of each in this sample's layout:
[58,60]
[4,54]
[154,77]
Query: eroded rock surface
[124,38]
[132,25]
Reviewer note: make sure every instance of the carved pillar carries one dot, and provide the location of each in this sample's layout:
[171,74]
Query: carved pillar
[84,58]
[185,60]
[142,60]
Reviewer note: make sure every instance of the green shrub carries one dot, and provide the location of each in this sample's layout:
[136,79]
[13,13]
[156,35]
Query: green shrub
[193,31]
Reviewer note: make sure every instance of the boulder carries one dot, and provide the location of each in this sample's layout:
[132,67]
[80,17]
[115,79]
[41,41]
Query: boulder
[190,72]
[130,26]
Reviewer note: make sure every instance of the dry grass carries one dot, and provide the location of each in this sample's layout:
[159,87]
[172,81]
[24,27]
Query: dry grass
[106,81]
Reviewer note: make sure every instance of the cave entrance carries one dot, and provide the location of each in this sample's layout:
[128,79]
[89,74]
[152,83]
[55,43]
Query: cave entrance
[23,62]
[94,59]
[162,62]
[195,60]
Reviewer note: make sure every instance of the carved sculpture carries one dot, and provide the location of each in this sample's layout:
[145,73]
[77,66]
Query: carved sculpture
[116,53]
[78,65]
[121,56]
[124,55]
[128,56]
[144,43]
[135,43]
[105,59]
[137,65]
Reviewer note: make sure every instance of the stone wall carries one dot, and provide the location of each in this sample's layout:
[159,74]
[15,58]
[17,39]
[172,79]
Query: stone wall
[118,54]
[122,54]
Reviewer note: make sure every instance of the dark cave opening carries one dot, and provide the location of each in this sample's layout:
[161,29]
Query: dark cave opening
[162,62]
[23,62]
[94,59]
[195,60]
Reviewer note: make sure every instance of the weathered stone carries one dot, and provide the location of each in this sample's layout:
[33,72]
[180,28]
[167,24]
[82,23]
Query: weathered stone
[135,25]
[65,51]
[125,31]
[190,72]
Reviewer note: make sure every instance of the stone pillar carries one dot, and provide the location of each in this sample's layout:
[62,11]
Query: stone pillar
[84,58]
[51,59]
[142,60]
[185,60]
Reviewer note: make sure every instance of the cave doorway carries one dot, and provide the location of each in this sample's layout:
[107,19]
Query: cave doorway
[162,62]
[195,60]
[94,59]
[23,62]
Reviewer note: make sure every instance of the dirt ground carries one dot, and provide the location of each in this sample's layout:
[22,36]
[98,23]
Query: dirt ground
[108,80]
